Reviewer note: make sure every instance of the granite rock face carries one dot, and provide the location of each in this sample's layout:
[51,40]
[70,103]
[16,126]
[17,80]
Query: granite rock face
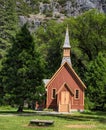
[73,6]
[79,6]
[54,9]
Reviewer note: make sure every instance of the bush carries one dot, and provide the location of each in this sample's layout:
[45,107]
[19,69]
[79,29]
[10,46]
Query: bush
[7,107]
[88,104]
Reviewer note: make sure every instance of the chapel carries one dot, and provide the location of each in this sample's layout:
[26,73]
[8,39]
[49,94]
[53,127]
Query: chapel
[65,90]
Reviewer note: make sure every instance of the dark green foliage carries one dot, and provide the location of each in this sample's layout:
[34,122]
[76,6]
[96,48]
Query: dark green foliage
[54,49]
[96,82]
[50,39]
[92,32]
[23,8]
[27,7]
[22,71]
[1,90]
[8,24]
[45,1]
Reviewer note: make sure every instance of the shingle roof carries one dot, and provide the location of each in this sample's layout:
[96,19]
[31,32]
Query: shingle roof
[67,41]
[45,81]
[66,59]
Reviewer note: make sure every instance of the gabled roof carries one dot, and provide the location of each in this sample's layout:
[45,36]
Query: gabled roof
[77,77]
[70,89]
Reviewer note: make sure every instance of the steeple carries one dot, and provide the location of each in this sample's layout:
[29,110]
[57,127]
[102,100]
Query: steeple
[66,49]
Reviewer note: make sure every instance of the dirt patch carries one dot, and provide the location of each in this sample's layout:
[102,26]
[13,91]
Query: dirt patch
[80,126]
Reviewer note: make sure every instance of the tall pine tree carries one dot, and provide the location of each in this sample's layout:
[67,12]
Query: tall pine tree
[22,71]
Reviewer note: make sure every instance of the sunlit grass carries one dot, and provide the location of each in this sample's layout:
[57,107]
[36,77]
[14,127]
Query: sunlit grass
[74,121]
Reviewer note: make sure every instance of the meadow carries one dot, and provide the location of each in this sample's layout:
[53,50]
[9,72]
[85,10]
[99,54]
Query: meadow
[11,120]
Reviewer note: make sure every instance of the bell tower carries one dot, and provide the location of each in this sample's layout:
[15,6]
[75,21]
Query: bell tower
[66,49]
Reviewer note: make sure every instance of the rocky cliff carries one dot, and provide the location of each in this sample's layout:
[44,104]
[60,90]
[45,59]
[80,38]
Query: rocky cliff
[57,9]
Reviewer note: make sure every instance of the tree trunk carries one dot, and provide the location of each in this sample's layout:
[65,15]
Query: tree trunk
[20,109]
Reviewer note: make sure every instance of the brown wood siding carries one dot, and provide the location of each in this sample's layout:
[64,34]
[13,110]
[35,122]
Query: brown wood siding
[65,75]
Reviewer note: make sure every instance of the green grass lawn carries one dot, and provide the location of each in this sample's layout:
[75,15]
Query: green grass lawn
[76,121]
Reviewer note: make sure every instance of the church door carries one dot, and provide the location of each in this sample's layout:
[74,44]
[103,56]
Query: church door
[64,104]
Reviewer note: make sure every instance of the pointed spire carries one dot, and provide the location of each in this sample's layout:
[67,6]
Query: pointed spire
[67,41]
[66,49]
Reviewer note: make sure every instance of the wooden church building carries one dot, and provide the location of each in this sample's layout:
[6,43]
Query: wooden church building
[65,90]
